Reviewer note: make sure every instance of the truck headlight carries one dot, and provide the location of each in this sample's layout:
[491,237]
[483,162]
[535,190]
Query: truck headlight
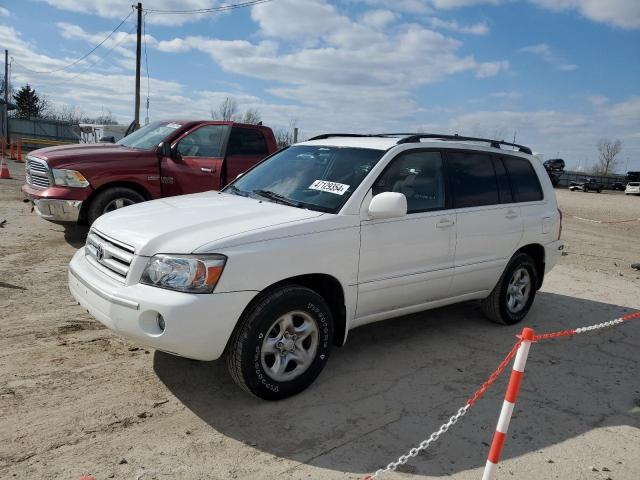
[184,273]
[69,178]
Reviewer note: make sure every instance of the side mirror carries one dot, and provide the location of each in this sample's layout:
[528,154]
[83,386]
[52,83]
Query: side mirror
[388,205]
[164,149]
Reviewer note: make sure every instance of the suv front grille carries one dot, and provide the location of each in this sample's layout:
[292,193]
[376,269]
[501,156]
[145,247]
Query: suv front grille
[38,173]
[108,255]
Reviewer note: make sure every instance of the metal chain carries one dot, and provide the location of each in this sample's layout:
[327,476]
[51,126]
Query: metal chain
[422,446]
[610,323]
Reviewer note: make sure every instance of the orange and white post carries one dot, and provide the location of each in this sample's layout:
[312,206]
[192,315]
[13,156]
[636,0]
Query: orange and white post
[509,403]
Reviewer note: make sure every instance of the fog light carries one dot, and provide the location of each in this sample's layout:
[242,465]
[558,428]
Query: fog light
[160,322]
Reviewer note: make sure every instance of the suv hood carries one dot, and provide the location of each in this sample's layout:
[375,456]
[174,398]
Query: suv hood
[67,154]
[182,224]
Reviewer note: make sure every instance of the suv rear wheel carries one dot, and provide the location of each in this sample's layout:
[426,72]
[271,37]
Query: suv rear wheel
[112,199]
[282,342]
[512,297]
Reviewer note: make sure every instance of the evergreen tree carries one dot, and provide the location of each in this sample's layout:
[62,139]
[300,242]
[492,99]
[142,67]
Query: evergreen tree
[28,103]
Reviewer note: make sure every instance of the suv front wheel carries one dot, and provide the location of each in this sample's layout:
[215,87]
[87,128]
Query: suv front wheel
[511,299]
[282,342]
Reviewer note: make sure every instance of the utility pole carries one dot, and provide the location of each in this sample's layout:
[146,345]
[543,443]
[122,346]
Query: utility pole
[5,110]
[138,51]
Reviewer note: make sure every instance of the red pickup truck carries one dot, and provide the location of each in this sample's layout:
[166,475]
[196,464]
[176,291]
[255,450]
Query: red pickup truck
[78,183]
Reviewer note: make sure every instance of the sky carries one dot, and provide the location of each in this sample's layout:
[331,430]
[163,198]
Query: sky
[557,74]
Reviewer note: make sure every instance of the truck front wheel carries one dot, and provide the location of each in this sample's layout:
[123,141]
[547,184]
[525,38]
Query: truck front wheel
[112,199]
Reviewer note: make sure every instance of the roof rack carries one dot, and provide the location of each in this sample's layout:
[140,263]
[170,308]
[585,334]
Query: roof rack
[330,135]
[416,137]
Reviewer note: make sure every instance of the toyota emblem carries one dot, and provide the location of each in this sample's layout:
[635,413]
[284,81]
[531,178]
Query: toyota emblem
[99,251]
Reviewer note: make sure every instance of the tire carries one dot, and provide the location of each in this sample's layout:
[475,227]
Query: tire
[599,190]
[259,347]
[109,199]
[585,189]
[497,306]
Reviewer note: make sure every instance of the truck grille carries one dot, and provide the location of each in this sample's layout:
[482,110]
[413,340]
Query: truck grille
[108,255]
[38,173]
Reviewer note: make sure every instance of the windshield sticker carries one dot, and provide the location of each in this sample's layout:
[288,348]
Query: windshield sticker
[173,125]
[329,187]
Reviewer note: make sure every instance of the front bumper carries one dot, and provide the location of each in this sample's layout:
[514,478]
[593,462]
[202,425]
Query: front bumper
[60,210]
[196,325]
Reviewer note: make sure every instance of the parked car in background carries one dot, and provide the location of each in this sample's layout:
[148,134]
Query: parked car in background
[554,165]
[322,237]
[633,188]
[586,185]
[618,186]
[79,183]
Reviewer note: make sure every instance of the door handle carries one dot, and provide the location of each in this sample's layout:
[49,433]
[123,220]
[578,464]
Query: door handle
[511,215]
[207,170]
[445,223]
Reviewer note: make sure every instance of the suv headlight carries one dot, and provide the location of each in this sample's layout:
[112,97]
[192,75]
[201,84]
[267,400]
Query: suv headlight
[69,178]
[184,273]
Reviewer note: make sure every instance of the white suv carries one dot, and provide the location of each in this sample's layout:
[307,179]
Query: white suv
[322,237]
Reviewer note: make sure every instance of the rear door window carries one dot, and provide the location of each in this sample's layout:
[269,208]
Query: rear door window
[247,141]
[524,181]
[473,179]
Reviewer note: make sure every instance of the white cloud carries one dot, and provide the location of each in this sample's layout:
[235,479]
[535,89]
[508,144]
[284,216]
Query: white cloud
[507,95]
[4,12]
[378,18]
[545,53]
[480,28]
[574,135]
[619,13]
[597,100]
[120,8]
[491,69]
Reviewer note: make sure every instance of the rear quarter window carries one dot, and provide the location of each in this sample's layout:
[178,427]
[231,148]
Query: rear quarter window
[524,180]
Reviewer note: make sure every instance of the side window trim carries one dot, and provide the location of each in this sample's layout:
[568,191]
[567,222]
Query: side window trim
[447,190]
[500,159]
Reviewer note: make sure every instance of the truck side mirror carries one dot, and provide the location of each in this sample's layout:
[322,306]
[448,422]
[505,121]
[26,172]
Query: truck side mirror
[164,149]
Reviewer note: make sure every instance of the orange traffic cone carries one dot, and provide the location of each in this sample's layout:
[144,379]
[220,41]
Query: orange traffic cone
[4,169]
[19,159]
[11,152]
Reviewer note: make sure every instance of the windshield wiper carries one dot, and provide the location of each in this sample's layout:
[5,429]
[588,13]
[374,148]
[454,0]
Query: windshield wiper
[235,190]
[277,197]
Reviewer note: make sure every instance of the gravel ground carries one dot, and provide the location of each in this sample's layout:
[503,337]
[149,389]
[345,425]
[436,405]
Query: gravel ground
[75,399]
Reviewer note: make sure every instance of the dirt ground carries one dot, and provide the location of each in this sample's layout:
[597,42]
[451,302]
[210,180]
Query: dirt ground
[75,399]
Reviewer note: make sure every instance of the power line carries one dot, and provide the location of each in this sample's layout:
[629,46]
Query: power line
[75,62]
[107,53]
[221,8]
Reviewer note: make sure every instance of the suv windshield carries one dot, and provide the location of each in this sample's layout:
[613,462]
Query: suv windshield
[317,178]
[149,136]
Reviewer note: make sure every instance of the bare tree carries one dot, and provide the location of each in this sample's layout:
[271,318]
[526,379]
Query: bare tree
[226,111]
[252,116]
[607,161]
[285,135]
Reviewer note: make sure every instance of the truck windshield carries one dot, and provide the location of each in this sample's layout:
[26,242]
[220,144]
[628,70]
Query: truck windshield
[149,136]
[317,178]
